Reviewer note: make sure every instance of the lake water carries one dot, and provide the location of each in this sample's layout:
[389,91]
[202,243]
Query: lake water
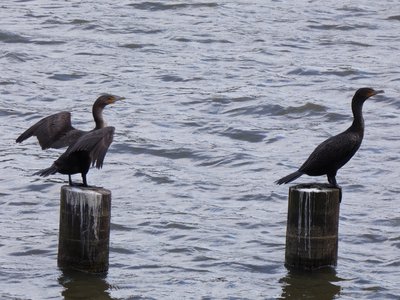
[223,98]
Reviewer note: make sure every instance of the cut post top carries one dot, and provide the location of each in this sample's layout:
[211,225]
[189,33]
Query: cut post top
[87,189]
[314,187]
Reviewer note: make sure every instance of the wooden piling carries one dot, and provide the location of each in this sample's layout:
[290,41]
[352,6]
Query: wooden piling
[84,236]
[312,226]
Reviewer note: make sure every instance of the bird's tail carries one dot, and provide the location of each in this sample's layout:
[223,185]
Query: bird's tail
[46,172]
[289,178]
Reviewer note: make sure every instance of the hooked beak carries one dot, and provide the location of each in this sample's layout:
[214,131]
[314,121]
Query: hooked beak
[378,92]
[118,98]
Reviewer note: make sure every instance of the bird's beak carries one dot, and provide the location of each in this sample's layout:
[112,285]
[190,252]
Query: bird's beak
[118,98]
[378,92]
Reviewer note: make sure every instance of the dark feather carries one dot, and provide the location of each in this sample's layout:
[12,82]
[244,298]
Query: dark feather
[52,131]
[46,172]
[96,143]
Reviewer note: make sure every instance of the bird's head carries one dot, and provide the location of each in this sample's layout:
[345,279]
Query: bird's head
[107,99]
[364,93]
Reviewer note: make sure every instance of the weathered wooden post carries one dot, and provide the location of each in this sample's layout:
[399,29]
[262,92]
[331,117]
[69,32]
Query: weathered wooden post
[84,236]
[312,226]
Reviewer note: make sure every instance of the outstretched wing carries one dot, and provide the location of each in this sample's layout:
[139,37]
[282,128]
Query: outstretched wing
[50,131]
[96,142]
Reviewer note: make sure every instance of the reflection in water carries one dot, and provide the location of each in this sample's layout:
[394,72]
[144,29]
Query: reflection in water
[310,285]
[79,285]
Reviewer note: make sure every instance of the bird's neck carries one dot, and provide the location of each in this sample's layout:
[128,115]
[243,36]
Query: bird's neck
[98,117]
[358,120]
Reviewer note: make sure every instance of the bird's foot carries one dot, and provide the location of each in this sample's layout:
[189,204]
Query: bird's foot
[340,191]
[78,184]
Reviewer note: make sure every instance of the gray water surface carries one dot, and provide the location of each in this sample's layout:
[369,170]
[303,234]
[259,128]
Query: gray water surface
[223,98]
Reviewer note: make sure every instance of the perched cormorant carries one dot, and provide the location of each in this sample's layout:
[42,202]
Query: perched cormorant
[336,151]
[85,148]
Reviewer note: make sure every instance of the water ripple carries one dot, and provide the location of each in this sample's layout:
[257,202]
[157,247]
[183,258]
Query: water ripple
[160,6]
[9,37]
[66,77]
[253,136]
[222,96]
[396,18]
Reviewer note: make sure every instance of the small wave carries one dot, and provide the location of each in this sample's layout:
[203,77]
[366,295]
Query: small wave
[176,78]
[354,43]
[7,82]
[336,117]
[304,71]
[145,266]
[145,31]
[389,222]
[182,226]
[233,99]
[48,42]
[213,41]
[305,110]
[353,9]
[121,250]
[203,258]
[182,250]
[89,54]
[158,179]
[9,37]
[257,197]
[17,57]
[278,110]
[266,109]
[157,6]
[66,77]
[31,252]
[330,42]
[203,41]
[396,18]
[120,227]
[340,71]
[23,203]
[173,153]
[333,27]
[233,159]
[133,46]
[182,39]
[252,136]
[191,123]
[79,21]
